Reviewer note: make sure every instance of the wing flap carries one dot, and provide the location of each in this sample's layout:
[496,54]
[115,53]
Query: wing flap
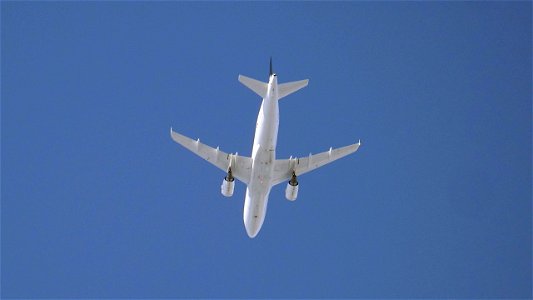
[241,166]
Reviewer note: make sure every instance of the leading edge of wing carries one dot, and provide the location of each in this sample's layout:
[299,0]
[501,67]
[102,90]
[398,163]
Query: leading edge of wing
[241,166]
[283,168]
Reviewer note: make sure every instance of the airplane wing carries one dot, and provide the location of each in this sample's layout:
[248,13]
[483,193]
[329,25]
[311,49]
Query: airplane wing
[241,166]
[283,168]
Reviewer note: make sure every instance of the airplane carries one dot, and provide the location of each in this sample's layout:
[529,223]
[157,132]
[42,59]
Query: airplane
[262,170]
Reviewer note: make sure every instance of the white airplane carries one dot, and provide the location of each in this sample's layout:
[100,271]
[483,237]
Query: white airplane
[262,171]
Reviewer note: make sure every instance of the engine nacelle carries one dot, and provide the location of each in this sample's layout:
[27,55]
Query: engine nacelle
[291,192]
[228,184]
[227,187]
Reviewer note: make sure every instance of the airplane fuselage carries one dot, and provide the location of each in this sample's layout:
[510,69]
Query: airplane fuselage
[263,157]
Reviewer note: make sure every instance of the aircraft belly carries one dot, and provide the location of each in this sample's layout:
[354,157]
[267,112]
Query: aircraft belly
[255,205]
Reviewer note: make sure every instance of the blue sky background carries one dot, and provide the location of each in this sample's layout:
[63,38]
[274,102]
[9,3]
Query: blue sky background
[98,201]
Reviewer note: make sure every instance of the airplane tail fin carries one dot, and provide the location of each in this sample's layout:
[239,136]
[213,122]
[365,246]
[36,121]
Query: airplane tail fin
[257,86]
[288,88]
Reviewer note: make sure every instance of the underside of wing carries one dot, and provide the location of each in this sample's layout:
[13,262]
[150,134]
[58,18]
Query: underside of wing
[241,166]
[283,168]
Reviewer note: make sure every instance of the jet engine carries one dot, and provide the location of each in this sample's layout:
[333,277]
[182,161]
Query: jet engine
[228,185]
[291,192]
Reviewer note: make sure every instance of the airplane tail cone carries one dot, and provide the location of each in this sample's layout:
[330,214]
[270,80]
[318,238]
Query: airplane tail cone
[271,72]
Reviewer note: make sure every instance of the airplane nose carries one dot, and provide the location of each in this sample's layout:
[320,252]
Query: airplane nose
[251,230]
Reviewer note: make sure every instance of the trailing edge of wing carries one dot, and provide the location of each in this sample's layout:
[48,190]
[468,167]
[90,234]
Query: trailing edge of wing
[283,168]
[241,166]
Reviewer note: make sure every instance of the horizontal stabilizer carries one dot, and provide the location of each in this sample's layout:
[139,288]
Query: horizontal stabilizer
[288,88]
[257,86]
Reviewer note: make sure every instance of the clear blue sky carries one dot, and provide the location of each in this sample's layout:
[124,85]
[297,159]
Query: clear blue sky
[98,201]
